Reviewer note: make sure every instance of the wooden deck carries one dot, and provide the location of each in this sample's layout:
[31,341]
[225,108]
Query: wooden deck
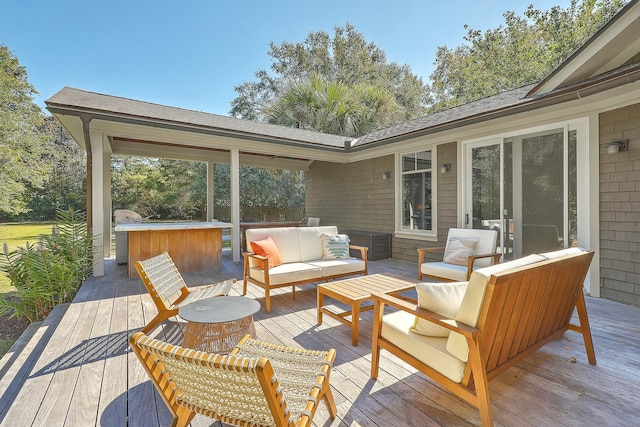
[77,370]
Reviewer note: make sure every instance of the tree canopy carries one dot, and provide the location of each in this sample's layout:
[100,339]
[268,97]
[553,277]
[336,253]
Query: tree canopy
[322,66]
[332,107]
[522,51]
[22,139]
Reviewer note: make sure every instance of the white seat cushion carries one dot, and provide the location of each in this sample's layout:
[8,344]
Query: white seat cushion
[443,269]
[287,273]
[429,350]
[331,267]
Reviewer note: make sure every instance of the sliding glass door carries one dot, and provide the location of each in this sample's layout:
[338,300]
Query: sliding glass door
[524,187]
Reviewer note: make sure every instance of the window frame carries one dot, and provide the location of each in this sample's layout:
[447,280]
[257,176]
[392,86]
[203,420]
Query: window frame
[416,234]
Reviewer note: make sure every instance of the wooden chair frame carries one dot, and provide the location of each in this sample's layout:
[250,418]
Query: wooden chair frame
[168,380]
[523,310]
[174,292]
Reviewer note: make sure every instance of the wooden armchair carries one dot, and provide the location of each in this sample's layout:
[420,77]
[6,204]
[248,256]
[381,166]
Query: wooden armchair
[258,384]
[168,289]
[507,312]
[466,250]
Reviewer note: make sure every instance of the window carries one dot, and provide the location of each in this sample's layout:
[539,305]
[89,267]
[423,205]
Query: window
[416,191]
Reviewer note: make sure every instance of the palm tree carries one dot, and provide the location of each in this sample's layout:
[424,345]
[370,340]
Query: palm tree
[331,107]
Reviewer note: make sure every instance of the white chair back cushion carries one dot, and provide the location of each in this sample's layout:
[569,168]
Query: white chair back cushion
[473,298]
[285,239]
[487,242]
[310,243]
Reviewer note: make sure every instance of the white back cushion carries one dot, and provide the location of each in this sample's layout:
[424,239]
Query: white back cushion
[473,298]
[285,238]
[310,243]
[562,252]
[441,298]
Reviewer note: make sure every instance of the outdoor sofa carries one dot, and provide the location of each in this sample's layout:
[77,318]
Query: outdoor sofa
[290,256]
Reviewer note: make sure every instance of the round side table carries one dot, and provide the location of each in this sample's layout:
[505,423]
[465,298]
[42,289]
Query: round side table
[215,325]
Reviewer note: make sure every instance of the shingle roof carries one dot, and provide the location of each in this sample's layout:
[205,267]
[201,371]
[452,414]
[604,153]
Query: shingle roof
[139,111]
[466,112]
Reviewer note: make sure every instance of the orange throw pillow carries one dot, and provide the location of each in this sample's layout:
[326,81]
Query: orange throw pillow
[267,248]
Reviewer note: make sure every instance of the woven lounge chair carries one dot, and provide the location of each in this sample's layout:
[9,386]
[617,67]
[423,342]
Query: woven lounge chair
[169,290]
[258,384]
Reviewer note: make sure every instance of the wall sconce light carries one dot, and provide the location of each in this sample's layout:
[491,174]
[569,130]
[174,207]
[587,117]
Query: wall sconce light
[446,167]
[616,146]
[386,175]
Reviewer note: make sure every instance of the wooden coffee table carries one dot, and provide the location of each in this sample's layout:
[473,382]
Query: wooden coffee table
[355,291]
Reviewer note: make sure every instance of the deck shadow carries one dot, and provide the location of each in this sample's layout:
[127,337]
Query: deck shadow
[89,351]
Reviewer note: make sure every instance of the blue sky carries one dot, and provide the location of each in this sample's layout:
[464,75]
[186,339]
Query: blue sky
[191,54]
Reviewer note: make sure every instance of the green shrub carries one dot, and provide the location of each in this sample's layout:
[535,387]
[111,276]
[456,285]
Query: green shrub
[49,272]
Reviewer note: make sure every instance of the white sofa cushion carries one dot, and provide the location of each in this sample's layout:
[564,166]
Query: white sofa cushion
[441,298]
[396,328]
[285,238]
[287,273]
[310,243]
[443,269]
[332,267]
[472,301]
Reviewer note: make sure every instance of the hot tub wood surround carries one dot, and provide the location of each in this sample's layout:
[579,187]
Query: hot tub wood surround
[193,246]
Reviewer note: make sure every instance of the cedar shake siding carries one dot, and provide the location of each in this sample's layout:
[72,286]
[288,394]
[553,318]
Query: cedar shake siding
[355,197]
[620,206]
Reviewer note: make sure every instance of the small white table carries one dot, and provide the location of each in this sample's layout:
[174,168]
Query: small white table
[215,325]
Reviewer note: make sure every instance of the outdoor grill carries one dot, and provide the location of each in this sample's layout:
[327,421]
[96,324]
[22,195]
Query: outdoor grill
[124,216]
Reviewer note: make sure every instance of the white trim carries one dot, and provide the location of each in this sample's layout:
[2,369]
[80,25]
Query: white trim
[607,51]
[430,235]
[589,196]
[588,167]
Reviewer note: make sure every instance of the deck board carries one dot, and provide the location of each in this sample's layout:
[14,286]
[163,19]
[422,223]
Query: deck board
[77,369]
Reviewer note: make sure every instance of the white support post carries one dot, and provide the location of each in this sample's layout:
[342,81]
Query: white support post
[101,226]
[108,205]
[235,202]
[210,190]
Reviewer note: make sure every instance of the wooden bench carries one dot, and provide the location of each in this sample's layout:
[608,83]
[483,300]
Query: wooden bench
[508,311]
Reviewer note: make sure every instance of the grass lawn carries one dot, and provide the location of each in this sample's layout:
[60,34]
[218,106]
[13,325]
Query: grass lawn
[16,234]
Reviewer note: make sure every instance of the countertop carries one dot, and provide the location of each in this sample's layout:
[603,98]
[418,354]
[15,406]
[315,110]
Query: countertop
[147,226]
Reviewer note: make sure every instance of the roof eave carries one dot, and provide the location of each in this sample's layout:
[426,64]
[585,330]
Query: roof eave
[95,114]
[604,82]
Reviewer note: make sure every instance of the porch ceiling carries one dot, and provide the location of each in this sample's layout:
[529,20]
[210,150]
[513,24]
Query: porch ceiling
[141,128]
